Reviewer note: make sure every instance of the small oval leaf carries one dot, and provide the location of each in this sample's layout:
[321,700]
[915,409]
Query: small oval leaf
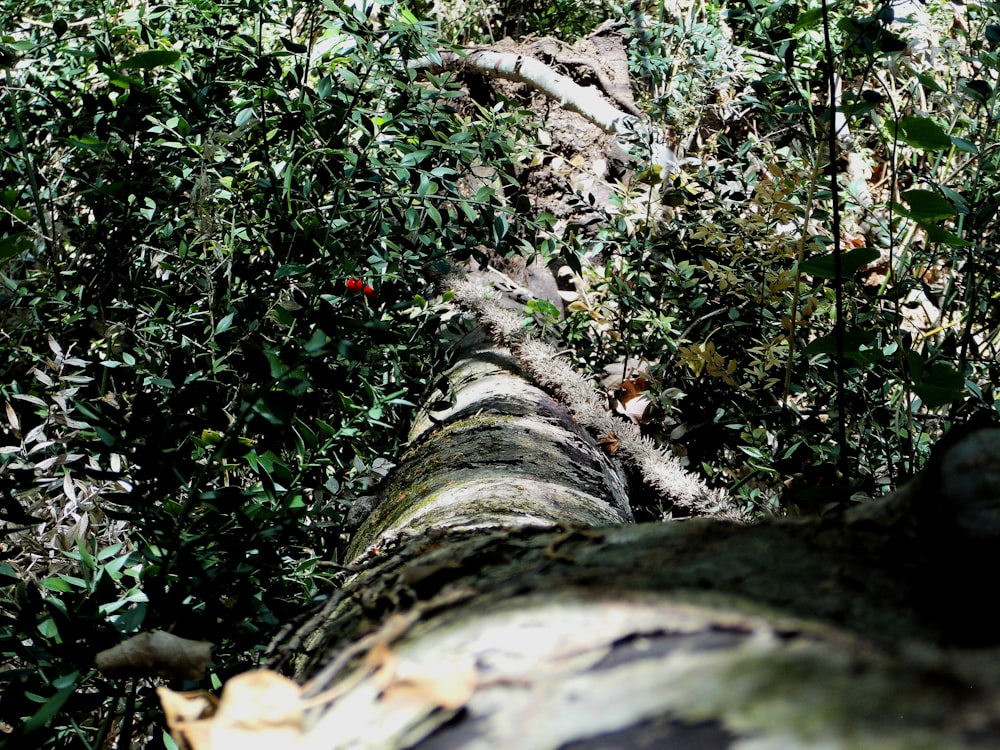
[151,58]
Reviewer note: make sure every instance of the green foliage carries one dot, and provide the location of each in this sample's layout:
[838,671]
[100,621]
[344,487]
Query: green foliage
[731,278]
[188,376]
[194,393]
[478,22]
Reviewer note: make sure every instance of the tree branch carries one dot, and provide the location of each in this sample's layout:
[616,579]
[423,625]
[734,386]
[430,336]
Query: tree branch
[586,101]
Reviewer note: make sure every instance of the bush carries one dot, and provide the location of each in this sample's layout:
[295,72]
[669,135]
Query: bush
[823,332]
[196,388]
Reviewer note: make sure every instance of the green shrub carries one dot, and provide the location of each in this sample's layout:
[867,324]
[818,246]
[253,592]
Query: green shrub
[819,336]
[195,394]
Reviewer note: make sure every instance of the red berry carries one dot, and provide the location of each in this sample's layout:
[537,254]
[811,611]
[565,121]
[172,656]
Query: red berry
[369,292]
[355,285]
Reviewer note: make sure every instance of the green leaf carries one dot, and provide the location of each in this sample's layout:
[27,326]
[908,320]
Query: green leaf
[435,215]
[291,46]
[822,267]
[74,580]
[349,350]
[105,437]
[413,158]
[161,382]
[928,82]
[6,571]
[500,226]
[225,324]
[858,345]
[13,245]
[57,584]
[927,205]
[89,142]
[469,211]
[48,627]
[941,385]
[808,20]
[943,236]
[290,269]
[244,116]
[123,81]
[168,741]
[957,199]
[923,133]
[113,567]
[317,343]
[65,686]
[978,90]
[86,54]
[151,58]
[86,558]
[130,620]
[963,145]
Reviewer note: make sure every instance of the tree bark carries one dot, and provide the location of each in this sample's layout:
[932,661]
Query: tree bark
[504,454]
[504,600]
[500,598]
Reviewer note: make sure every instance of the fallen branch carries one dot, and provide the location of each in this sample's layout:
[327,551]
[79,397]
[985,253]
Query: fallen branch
[586,101]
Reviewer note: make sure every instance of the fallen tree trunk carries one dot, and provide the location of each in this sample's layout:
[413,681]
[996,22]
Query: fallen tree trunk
[501,598]
[505,454]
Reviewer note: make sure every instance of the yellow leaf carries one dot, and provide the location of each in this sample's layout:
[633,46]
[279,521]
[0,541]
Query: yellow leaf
[211,437]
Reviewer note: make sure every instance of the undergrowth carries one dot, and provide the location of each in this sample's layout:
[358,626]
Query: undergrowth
[220,230]
[807,327]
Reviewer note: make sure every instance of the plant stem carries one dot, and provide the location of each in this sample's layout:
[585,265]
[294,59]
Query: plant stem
[838,271]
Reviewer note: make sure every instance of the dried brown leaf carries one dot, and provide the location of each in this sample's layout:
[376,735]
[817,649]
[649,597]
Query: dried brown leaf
[68,489]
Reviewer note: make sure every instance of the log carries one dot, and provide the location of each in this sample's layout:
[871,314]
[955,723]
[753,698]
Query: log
[500,597]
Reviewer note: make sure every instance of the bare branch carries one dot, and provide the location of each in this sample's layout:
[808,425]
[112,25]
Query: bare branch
[586,101]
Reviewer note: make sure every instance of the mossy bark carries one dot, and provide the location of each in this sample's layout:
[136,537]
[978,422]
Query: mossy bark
[493,610]
[504,453]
